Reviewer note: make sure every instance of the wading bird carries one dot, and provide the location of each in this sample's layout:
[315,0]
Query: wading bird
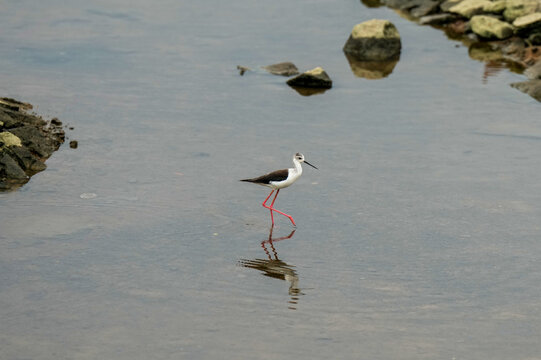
[280,179]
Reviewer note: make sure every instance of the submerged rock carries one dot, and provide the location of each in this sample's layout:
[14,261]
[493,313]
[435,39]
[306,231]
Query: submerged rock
[531,87]
[374,40]
[26,141]
[489,27]
[315,78]
[282,69]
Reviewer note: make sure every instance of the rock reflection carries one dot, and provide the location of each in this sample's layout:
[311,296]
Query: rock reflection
[371,69]
[276,268]
[305,91]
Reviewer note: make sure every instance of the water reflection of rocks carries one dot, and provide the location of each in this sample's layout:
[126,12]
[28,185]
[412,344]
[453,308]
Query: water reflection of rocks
[276,268]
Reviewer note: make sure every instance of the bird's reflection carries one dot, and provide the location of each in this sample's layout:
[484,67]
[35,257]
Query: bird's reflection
[276,268]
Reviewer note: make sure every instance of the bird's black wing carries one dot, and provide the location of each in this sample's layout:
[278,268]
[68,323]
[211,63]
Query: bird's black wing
[278,175]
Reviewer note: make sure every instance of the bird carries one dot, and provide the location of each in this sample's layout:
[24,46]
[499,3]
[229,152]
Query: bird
[280,179]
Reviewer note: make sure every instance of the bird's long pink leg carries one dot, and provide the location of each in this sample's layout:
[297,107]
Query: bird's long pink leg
[271,208]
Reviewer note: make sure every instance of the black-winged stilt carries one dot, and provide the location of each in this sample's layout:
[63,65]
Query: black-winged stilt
[280,179]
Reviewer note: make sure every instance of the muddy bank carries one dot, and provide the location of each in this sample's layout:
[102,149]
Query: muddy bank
[26,141]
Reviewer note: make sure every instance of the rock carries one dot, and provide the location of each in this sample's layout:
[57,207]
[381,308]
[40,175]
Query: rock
[28,162]
[315,78]
[495,7]
[243,69]
[534,72]
[26,141]
[74,144]
[469,8]
[517,8]
[490,28]
[535,38]
[282,69]
[10,169]
[438,19]
[426,8]
[374,40]
[459,27]
[448,4]
[8,139]
[528,23]
[532,88]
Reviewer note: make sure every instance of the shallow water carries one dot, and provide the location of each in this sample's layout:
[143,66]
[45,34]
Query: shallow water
[418,238]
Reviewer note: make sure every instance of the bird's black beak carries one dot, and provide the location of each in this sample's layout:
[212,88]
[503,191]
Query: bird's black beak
[307,163]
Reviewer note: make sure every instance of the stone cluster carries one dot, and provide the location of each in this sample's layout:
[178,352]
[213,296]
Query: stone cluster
[512,28]
[26,141]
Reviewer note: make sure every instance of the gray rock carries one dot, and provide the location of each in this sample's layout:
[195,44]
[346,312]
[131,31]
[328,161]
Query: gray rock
[438,19]
[490,28]
[315,78]
[426,8]
[282,69]
[448,4]
[374,40]
[531,87]
[534,72]
[10,169]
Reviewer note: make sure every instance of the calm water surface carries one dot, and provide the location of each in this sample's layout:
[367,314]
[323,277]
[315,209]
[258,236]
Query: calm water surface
[418,238]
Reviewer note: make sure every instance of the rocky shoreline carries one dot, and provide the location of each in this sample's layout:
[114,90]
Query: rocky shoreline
[26,141]
[500,30]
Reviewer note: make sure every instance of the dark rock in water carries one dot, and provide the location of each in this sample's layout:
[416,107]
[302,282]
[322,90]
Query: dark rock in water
[438,19]
[74,144]
[315,78]
[374,40]
[26,141]
[282,69]
[10,169]
[532,88]
[243,69]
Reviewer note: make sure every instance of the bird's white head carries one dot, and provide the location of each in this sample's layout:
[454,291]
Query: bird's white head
[300,158]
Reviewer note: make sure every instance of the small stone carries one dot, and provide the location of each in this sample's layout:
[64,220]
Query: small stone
[282,69]
[74,144]
[243,69]
[374,40]
[490,28]
[315,78]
